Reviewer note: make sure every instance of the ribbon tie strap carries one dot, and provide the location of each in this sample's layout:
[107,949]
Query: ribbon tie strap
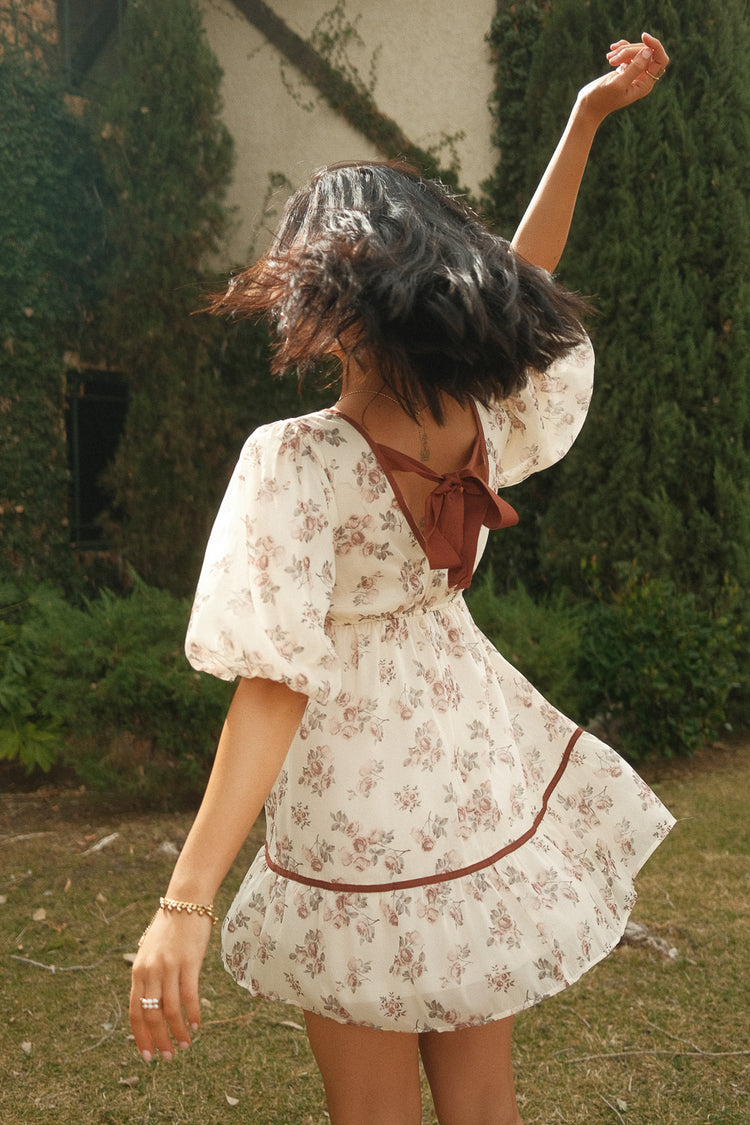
[455,511]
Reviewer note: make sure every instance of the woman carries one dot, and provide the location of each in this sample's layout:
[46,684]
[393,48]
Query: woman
[443,848]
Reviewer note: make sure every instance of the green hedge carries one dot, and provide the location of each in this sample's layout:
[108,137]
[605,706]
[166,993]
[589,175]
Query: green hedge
[660,241]
[104,688]
[540,637]
[644,665]
[658,669]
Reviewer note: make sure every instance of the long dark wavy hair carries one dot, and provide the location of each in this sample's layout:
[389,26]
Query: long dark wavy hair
[374,260]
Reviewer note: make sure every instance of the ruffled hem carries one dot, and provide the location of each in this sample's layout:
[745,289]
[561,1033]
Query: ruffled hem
[446,1013]
[458,953]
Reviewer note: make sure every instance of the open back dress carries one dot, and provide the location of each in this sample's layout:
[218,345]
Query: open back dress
[443,847]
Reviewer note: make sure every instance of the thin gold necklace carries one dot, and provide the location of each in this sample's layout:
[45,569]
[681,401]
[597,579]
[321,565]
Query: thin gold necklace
[376,394]
[424,444]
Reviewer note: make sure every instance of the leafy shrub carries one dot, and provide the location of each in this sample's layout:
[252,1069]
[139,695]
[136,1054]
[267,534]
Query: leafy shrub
[658,668]
[21,738]
[541,639]
[647,667]
[105,689]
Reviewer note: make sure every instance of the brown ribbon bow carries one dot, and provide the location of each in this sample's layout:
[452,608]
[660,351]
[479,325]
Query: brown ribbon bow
[455,511]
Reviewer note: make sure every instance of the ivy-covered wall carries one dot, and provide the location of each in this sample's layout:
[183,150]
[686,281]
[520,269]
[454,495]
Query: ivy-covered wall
[167,159]
[110,221]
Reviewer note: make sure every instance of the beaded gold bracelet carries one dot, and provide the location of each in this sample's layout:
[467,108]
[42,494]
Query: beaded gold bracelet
[189,908]
[170,904]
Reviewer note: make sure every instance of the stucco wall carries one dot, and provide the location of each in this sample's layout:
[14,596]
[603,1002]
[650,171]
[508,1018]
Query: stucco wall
[433,77]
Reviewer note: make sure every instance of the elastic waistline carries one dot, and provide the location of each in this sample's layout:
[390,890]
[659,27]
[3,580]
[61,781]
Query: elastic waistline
[443,876]
[397,614]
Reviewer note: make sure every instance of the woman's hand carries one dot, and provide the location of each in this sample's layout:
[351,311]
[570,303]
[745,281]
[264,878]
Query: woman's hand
[637,67]
[167,969]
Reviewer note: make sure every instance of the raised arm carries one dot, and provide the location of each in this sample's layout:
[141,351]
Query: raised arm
[543,230]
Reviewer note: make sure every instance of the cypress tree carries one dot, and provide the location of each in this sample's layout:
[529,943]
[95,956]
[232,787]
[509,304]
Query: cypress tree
[661,240]
[517,106]
[168,159]
[51,223]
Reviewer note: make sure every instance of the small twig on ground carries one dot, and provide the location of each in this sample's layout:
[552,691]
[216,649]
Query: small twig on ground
[105,840]
[26,836]
[104,1038]
[571,1009]
[675,1054]
[247,1017]
[98,906]
[56,968]
[675,1038]
[614,1110]
[126,909]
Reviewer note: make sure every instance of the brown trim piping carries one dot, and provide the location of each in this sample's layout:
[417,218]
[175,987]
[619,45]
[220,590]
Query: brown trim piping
[444,876]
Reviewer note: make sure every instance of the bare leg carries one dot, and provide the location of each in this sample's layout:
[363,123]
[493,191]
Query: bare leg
[471,1075]
[370,1077]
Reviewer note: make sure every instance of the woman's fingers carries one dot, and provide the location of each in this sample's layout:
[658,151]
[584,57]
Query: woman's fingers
[174,1019]
[138,1023]
[191,1000]
[622,53]
[661,58]
[613,54]
[156,1017]
[636,69]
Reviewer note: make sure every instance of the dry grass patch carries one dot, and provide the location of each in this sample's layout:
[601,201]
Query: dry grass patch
[642,1039]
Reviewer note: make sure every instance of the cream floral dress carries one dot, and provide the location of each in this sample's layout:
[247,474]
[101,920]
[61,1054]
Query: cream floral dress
[444,848]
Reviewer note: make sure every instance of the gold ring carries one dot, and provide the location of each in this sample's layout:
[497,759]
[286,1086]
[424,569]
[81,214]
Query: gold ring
[653,77]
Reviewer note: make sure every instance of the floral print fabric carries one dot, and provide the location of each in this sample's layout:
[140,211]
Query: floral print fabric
[443,846]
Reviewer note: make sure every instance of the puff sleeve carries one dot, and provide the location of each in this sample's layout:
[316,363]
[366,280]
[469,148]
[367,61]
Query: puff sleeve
[266,582]
[532,430]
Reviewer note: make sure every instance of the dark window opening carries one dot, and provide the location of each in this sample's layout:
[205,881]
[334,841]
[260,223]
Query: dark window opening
[97,405]
[90,33]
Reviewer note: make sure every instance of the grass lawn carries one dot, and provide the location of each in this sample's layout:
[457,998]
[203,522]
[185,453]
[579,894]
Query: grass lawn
[644,1038]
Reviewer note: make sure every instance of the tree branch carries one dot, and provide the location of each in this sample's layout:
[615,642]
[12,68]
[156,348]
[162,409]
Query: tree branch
[354,105]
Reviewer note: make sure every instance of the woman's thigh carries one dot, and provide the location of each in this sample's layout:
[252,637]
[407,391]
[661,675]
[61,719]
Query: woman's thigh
[471,1074]
[370,1077]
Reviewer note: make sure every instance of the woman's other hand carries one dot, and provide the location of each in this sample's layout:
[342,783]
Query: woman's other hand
[167,970]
